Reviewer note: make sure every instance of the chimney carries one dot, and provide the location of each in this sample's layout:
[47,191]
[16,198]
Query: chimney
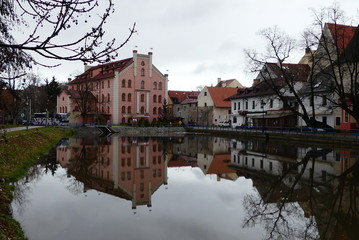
[255,82]
[150,64]
[86,67]
[219,80]
[134,62]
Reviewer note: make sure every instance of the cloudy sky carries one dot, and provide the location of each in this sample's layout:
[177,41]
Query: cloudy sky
[198,41]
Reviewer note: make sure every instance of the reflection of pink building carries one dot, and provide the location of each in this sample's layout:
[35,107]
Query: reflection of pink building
[124,90]
[122,168]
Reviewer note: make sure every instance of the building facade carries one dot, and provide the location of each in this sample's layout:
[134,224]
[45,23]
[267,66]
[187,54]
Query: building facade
[127,91]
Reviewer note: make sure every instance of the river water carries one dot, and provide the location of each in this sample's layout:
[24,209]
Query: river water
[188,188]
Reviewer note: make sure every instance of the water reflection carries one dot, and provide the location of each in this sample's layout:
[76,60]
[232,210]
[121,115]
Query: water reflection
[297,192]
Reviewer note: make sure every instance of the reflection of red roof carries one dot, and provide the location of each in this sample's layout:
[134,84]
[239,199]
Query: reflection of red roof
[106,70]
[219,94]
[220,164]
[183,161]
[342,34]
[180,96]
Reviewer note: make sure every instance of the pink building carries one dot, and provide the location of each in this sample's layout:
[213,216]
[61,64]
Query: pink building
[124,91]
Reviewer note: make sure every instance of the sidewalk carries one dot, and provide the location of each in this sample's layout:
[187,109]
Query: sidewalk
[20,128]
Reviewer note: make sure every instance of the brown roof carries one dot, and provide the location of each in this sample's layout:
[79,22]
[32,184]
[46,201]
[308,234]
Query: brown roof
[219,94]
[220,164]
[294,72]
[224,82]
[180,96]
[342,34]
[106,71]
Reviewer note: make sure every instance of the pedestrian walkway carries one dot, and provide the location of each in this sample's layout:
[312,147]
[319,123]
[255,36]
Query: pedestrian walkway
[20,128]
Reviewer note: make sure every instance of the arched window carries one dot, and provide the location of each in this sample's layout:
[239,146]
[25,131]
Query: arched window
[154,86]
[123,120]
[142,110]
[159,98]
[108,97]
[142,84]
[154,110]
[129,83]
[160,86]
[123,83]
[142,72]
[159,110]
[129,97]
[124,97]
[142,97]
[129,109]
[103,98]
[123,109]
[154,98]
[108,109]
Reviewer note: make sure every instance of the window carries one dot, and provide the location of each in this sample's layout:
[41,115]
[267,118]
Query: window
[142,72]
[246,105]
[123,83]
[129,97]
[324,102]
[205,93]
[239,106]
[154,110]
[123,109]
[234,120]
[154,98]
[129,83]
[253,104]
[142,63]
[324,120]
[160,86]
[271,103]
[205,104]
[154,86]
[103,98]
[129,109]
[159,98]
[337,121]
[235,106]
[142,97]
[108,97]
[142,110]
[142,84]
[159,110]
[346,117]
[123,97]
[108,110]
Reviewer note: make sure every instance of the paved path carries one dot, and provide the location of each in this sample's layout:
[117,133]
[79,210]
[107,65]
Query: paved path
[21,128]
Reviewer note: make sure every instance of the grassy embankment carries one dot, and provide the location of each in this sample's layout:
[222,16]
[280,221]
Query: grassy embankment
[18,151]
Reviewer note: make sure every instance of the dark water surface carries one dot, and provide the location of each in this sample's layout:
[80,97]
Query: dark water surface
[188,188]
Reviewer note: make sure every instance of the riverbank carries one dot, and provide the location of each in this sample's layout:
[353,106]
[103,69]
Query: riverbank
[295,137]
[18,151]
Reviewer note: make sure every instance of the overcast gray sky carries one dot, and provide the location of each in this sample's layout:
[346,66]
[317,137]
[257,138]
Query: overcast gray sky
[198,41]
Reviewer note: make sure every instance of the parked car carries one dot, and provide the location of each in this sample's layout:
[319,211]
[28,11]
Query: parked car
[224,124]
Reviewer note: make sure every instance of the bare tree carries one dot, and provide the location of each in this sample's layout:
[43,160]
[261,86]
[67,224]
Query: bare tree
[333,65]
[47,22]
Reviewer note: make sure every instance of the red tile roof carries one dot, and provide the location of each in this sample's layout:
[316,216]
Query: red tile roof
[219,94]
[180,96]
[220,164]
[106,71]
[342,34]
